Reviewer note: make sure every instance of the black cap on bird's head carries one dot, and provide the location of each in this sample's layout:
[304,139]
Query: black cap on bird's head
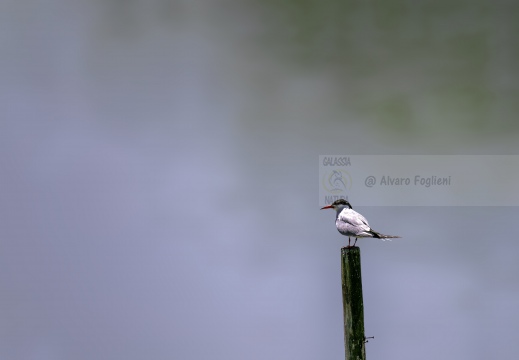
[338,204]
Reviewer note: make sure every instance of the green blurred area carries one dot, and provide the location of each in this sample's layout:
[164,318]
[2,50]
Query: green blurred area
[454,63]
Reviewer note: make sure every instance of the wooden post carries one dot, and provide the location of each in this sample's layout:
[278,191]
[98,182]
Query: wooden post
[354,338]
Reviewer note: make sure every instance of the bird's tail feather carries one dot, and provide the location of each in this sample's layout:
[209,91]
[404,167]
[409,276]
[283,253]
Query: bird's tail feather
[383,237]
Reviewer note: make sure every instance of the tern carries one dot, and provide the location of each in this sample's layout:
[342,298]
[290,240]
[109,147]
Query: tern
[352,224]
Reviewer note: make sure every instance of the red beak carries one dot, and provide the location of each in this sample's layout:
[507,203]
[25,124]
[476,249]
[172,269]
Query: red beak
[327,207]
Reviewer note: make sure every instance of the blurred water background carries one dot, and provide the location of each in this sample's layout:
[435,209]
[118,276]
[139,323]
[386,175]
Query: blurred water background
[159,177]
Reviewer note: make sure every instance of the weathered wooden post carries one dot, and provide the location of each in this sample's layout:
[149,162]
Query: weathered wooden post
[354,338]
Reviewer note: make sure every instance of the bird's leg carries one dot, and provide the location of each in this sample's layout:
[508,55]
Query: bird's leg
[355,242]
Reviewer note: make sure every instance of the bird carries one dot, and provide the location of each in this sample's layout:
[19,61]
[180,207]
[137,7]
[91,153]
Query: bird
[352,224]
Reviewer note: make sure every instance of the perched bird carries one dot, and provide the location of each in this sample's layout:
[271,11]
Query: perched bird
[352,224]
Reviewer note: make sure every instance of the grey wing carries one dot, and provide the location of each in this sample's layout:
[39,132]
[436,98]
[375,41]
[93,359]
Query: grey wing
[351,223]
[352,217]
